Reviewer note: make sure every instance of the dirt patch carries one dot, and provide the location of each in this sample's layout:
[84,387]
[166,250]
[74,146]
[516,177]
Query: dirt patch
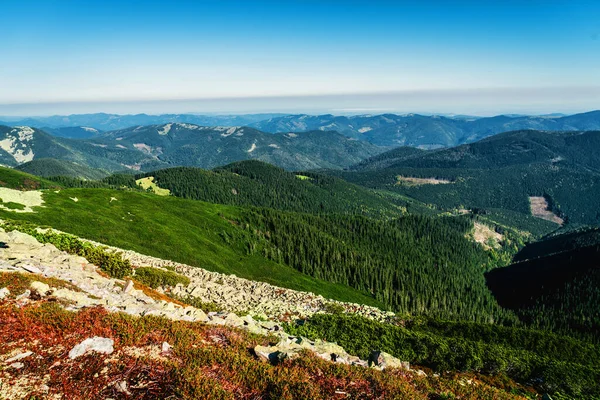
[412,181]
[487,236]
[539,208]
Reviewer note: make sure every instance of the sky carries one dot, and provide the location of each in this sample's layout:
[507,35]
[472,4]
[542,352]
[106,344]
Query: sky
[465,57]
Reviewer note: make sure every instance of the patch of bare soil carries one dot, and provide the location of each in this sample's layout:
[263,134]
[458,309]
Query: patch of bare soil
[539,208]
[412,181]
[486,236]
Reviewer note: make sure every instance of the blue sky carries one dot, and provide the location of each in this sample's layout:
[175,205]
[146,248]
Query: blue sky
[478,57]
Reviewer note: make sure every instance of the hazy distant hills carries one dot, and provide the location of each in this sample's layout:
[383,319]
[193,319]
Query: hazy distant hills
[152,147]
[108,122]
[73,132]
[392,130]
[207,147]
[426,131]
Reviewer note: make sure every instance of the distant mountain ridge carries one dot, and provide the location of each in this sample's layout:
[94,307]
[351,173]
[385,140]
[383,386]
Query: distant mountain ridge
[426,131]
[109,122]
[146,148]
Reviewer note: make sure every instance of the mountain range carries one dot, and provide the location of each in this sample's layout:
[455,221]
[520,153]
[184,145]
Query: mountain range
[425,131]
[108,122]
[144,148]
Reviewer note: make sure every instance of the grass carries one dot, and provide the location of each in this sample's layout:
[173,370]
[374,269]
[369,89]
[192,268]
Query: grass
[185,231]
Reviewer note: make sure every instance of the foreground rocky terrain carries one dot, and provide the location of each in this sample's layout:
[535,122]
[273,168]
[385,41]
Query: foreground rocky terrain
[71,332]
[76,284]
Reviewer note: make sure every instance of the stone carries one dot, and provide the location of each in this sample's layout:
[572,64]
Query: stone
[17,365]
[31,268]
[384,360]
[121,387]
[264,353]
[166,347]
[24,295]
[40,287]
[4,292]
[22,238]
[19,357]
[128,286]
[233,320]
[97,344]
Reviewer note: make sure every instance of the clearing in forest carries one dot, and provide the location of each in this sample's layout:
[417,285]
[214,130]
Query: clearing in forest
[148,183]
[411,181]
[486,236]
[539,208]
[20,201]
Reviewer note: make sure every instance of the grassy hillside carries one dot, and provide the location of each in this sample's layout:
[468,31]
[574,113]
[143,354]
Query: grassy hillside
[186,231]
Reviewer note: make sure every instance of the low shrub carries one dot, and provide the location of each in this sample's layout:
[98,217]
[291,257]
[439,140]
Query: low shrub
[155,277]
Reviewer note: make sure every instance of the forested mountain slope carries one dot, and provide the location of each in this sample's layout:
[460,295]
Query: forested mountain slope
[554,284]
[255,183]
[22,144]
[500,172]
[47,167]
[208,147]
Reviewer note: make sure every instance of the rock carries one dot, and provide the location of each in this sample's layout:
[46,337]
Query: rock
[269,354]
[23,295]
[22,238]
[40,287]
[17,365]
[19,357]
[31,268]
[4,292]
[97,344]
[384,360]
[233,320]
[166,347]
[121,387]
[128,286]
[81,299]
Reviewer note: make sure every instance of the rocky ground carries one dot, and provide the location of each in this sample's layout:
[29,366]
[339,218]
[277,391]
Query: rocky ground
[86,286]
[236,294]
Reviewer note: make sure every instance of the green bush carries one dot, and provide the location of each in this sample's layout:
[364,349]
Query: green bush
[155,277]
[196,302]
[549,362]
